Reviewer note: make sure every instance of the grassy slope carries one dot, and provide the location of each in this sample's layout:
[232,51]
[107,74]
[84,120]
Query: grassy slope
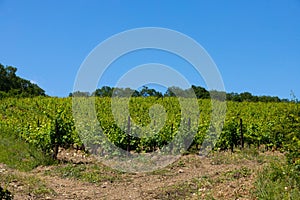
[17,154]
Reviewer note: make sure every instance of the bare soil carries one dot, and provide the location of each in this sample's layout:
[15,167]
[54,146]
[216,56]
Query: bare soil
[219,176]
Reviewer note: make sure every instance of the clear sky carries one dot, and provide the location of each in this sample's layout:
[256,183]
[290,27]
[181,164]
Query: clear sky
[255,44]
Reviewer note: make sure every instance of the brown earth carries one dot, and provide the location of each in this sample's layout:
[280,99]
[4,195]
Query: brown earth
[219,176]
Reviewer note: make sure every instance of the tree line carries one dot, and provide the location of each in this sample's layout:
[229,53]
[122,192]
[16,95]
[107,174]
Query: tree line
[12,85]
[200,92]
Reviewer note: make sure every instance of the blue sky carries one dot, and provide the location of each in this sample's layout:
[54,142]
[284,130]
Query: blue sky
[255,44]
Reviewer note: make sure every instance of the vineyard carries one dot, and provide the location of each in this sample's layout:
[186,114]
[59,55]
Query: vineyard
[48,123]
[143,125]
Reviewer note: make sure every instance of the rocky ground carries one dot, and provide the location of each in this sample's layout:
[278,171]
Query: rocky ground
[221,175]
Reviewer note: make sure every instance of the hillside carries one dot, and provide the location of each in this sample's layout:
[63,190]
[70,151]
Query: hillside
[12,85]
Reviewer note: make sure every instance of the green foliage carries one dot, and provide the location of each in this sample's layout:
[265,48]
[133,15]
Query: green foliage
[90,173]
[278,181]
[248,97]
[229,137]
[173,91]
[47,123]
[32,129]
[281,180]
[15,153]
[31,184]
[13,86]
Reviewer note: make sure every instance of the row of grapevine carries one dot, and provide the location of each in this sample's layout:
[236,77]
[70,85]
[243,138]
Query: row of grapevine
[148,124]
[46,123]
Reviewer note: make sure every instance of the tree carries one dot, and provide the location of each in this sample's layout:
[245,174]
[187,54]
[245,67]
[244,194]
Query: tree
[105,91]
[79,94]
[246,96]
[146,92]
[175,91]
[13,85]
[201,93]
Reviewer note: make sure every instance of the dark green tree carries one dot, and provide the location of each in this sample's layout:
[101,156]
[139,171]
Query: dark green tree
[13,85]
[201,93]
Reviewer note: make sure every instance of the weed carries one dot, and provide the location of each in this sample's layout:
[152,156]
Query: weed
[18,154]
[278,181]
[29,184]
[89,173]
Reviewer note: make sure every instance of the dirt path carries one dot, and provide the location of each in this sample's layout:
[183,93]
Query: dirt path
[191,177]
